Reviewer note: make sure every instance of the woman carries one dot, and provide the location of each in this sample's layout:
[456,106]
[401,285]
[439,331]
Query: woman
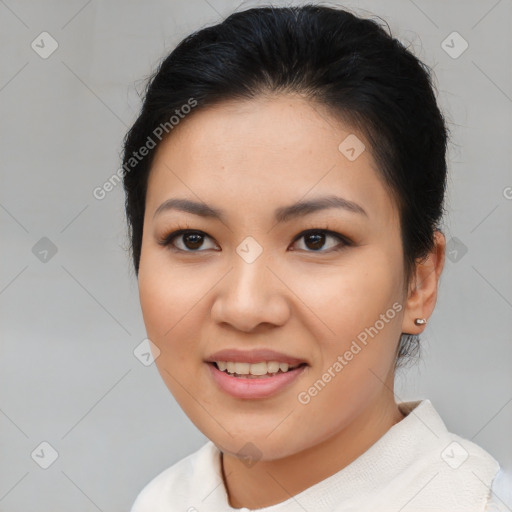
[284,190]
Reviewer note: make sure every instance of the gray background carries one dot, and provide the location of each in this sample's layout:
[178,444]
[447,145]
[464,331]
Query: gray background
[70,321]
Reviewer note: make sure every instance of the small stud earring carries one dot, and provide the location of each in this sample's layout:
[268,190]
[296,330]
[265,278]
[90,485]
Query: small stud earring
[420,321]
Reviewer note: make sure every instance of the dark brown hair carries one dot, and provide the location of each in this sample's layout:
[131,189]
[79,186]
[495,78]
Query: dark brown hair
[349,64]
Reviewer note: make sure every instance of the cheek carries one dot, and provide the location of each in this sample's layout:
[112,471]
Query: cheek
[157,303]
[350,297]
[355,319]
[167,303]
[172,298]
[173,313]
[164,289]
[163,295]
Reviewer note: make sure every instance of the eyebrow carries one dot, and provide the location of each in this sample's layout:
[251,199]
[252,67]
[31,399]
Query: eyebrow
[282,214]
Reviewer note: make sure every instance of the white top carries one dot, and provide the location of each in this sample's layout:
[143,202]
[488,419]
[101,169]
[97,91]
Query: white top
[417,465]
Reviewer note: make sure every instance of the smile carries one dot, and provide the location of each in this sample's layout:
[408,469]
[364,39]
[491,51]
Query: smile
[242,384]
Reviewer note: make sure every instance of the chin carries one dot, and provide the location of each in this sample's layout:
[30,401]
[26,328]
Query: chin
[257,447]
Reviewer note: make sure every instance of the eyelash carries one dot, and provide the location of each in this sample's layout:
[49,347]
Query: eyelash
[167,240]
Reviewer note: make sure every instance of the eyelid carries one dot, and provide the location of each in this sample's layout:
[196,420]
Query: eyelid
[328,232]
[167,240]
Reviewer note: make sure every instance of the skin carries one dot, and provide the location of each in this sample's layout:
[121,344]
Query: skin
[249,158]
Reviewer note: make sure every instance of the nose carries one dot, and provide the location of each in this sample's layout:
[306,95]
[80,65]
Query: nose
[251,296]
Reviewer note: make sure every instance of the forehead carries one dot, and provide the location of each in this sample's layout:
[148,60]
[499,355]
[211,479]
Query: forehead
[265,152]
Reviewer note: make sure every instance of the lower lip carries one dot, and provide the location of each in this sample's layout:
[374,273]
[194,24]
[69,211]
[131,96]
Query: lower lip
[262,387]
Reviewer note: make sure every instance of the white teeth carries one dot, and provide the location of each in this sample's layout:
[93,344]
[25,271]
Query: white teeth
[242,368]
[253,369]
[273,367]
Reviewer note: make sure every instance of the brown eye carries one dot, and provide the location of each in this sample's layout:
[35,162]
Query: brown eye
[315,240]
[191,241]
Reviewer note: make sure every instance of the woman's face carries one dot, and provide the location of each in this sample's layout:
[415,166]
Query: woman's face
[249,280]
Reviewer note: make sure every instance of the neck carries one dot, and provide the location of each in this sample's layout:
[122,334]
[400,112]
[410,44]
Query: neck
[284,478]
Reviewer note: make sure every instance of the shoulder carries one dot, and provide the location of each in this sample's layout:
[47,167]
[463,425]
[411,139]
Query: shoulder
[175,483]
[500,499]
[458,468]
[463,469]
[445,469]
[447,450]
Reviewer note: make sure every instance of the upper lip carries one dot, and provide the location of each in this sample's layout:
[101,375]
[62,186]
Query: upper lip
[253,356]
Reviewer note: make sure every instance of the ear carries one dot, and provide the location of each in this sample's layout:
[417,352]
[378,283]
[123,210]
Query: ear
[422,294]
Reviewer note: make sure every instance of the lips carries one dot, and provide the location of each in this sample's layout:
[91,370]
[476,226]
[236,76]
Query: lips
[261,387]
[253,356]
